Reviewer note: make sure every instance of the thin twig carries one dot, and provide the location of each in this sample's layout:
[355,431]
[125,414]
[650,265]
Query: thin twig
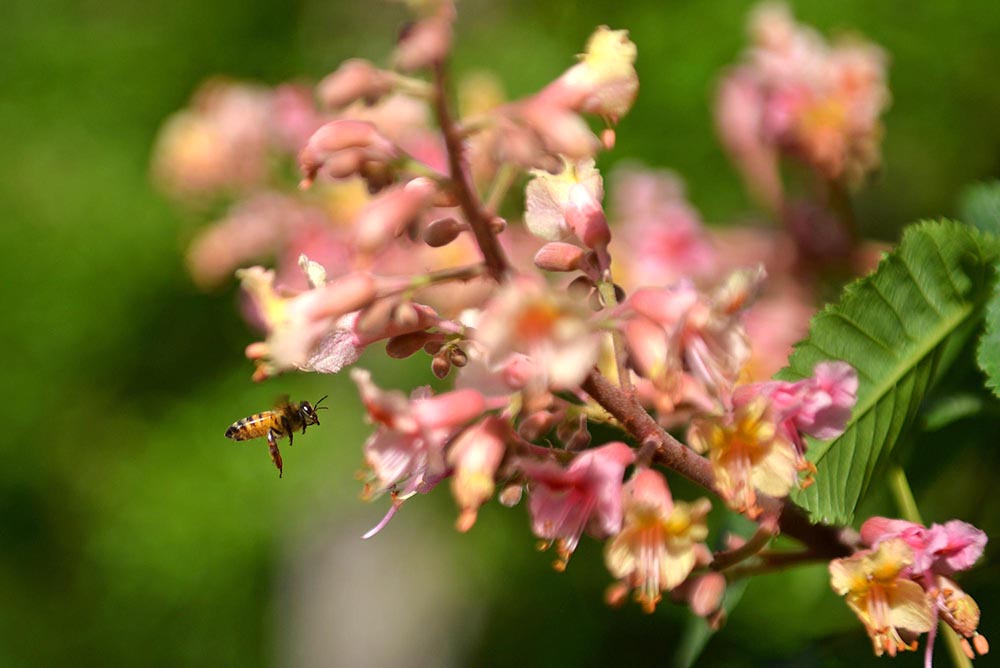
[792,521]
[765,532]
[479,219]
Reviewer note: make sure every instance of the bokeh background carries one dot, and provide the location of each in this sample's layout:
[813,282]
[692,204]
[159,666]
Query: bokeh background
[133,533]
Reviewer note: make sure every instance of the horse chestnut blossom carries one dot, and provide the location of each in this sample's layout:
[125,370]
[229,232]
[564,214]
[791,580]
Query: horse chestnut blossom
[938,553]
[893,608]
[796,95]
[573,339]
[585,495]
[656,549]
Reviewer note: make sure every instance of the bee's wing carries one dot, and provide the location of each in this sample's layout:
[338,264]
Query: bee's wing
[282,402]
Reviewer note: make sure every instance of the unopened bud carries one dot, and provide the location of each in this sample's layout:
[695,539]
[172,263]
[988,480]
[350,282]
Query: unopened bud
[616,595]
[405,316]
[586,218]
[510,495]
[559,256]
[442,232]
[257,350]
[341,148]
[375,318]
[424,43]
[498,224]
[355,79]
[433,347]
[440,366]
[404,345]
[457,357]
[608,138]
[706,593]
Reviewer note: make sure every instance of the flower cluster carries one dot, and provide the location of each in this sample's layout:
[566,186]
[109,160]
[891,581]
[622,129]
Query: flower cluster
[900,585]
[643,321]
[797,96]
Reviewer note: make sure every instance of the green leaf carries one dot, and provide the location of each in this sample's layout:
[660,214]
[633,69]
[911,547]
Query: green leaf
[900,327]
[979,205]
[988,353]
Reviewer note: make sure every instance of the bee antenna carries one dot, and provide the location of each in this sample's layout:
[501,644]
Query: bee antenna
[317,406]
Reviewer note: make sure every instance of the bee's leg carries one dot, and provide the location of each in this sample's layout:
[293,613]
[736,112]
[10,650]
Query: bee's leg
[288,429]
[272,442]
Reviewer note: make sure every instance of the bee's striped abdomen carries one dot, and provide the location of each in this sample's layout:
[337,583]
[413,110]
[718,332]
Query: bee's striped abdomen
[254,426]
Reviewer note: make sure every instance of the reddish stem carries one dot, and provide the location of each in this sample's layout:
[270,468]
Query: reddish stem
[479,219]
[822,539]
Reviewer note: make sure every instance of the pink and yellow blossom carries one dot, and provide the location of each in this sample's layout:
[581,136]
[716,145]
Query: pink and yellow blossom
[893,608]
[655,550]
[749,453]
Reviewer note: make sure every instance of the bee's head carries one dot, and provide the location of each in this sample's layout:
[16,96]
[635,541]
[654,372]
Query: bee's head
[308,411]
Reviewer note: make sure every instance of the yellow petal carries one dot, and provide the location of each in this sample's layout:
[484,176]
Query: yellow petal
[909,607]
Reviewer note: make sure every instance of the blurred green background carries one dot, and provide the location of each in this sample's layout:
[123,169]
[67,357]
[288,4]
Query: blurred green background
[133,533]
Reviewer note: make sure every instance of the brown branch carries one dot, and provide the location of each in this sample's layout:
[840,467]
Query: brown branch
[822,539]
[479,219]
[728,558]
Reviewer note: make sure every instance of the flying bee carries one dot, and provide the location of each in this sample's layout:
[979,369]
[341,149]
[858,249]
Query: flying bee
[284,420]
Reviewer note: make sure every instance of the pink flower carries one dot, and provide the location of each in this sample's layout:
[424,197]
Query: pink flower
[664,238]
[892,607]
[676,331]
[749,453]
[584,496]
[343,343]
[568,205]
[938,551]
[475,456]
[426,42]
[297,324]
[344,148]
[799,95]
[604,82]
[819,406]
[407,447]
[656,549]
[776,321]
[389,214]
[943,548]
[218,145]
[526,317]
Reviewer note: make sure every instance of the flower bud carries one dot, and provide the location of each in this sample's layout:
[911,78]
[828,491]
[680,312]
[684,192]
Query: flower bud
[442,232]
[586,218]
[608,138]
[405,315]
[355,79]
[440,366]
[457,357]
[510,495]
[426,42]
[404,345]
[341,148]
[706,593]
[559,256]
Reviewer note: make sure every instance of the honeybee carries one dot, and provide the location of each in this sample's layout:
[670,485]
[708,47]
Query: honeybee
[284,420]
